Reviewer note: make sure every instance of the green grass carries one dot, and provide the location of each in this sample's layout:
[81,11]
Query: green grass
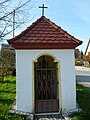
[83,98]
[7,96]
[8,93]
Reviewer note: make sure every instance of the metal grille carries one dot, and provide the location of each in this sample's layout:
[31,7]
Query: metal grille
[45,79]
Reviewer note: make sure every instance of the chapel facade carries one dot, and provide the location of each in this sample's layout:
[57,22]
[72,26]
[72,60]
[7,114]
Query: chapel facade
[45,68]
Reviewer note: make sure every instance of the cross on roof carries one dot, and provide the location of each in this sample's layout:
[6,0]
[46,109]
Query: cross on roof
[43,7]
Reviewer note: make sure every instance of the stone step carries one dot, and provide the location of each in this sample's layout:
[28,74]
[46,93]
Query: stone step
[49,117]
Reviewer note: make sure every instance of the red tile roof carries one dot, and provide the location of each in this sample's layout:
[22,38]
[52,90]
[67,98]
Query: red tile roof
[44,34]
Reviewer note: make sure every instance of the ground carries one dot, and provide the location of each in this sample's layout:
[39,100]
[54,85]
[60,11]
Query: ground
[83,75]
[8,92]
[7,96]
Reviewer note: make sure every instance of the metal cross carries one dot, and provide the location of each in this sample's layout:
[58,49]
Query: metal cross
[43,7]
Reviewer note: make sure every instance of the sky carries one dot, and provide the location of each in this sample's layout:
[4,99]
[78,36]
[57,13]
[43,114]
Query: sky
[71,15]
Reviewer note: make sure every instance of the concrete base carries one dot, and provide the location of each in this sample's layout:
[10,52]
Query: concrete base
[68,112]
[28,116]
[45,116]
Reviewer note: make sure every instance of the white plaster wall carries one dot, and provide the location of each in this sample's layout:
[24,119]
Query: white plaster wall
[24,81]
[24,87]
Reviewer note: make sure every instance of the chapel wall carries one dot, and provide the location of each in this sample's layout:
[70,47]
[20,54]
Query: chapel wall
[25,76]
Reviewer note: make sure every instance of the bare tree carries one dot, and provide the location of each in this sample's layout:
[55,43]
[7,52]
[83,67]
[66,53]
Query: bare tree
[21,9]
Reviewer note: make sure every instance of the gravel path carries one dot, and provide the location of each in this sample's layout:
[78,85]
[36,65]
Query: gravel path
[49,117]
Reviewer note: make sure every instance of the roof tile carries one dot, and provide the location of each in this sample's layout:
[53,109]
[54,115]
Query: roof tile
[44,34]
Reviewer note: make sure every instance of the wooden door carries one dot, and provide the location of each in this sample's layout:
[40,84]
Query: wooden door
[46,85]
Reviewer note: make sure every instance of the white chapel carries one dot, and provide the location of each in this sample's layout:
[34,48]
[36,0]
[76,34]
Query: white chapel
[45,68]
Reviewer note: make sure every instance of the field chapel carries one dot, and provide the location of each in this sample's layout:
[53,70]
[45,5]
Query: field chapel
[45,68]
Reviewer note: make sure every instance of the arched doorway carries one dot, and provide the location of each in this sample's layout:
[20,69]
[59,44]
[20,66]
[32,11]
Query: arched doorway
[46,90]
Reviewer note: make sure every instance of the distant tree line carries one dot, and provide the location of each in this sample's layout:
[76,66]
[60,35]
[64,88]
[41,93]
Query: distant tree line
[82,59]
[87,58]
[78,57]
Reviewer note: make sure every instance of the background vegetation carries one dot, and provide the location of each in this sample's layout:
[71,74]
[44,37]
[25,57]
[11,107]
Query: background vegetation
[83,98]
[7,62]
[7,97]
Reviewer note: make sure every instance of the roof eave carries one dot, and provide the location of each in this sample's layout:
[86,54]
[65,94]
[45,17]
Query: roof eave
[45,46]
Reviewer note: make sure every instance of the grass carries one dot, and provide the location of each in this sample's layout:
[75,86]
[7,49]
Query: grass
[8,93]
[7,96]
[83,98]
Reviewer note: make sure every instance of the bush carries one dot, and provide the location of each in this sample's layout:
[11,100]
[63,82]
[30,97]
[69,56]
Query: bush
[7,62]
[78,63]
